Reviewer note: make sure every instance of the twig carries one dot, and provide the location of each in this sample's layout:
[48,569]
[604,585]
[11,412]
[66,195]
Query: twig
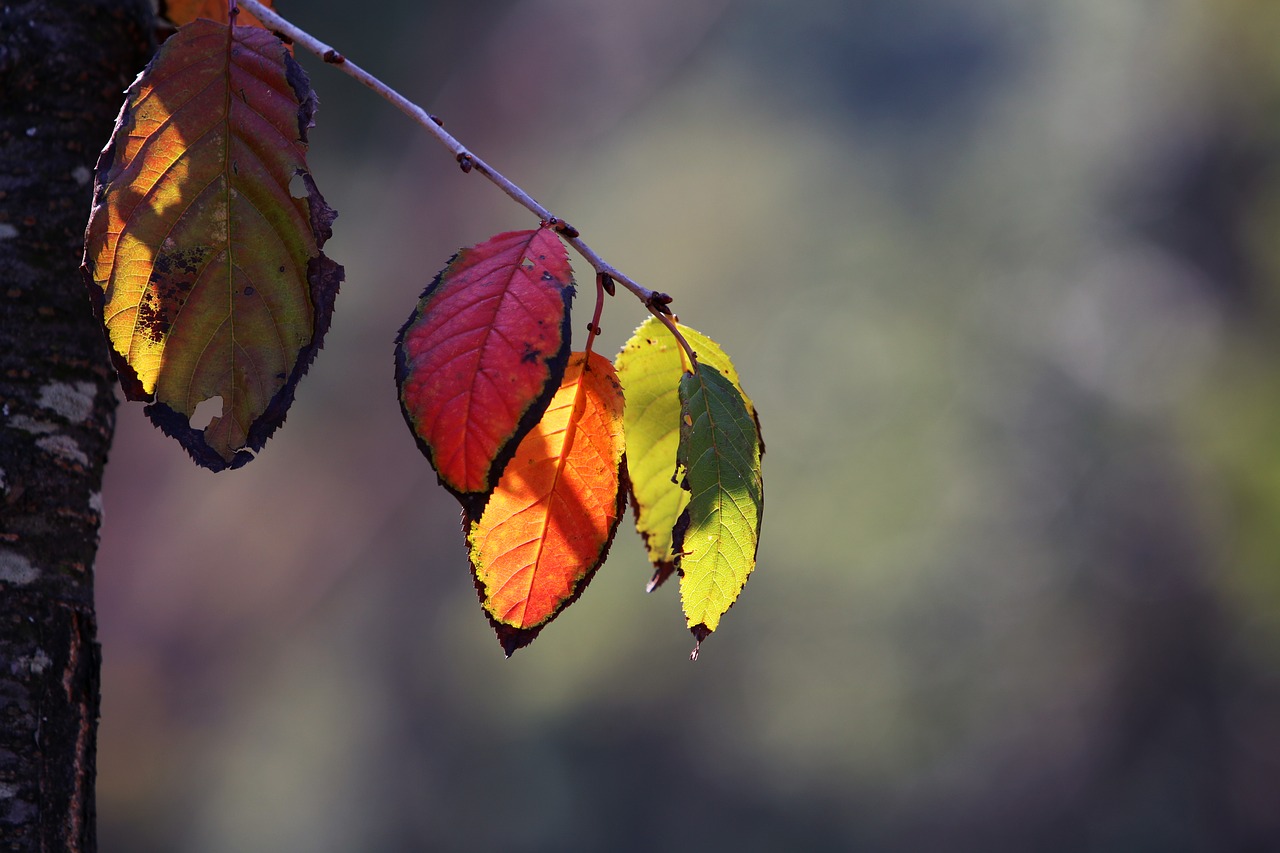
[466,159]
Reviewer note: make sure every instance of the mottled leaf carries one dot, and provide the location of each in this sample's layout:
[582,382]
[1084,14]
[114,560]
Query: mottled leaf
[548,525]
[481,355]
[649,367]
[717,534]
[205,270]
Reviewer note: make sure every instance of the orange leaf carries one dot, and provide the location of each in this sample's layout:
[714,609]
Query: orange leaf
[548,525]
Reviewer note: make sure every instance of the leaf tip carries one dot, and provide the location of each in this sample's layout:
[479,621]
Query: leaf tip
[177,426]
[513,639]
[664,570]
[700,633]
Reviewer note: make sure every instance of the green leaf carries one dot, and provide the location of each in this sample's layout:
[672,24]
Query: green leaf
[719,531]
[649,367]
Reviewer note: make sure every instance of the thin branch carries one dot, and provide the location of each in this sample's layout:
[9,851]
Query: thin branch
[468,161]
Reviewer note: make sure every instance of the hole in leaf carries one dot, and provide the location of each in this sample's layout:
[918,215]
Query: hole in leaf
[206,412]
[297,187]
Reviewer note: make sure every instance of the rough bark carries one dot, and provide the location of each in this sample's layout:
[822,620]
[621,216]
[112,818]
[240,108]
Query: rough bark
[63,66]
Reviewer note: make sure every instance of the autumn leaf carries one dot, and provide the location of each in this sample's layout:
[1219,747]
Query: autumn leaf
[480,357]
[649,366]
[718,533]
[206,271]
[548,525]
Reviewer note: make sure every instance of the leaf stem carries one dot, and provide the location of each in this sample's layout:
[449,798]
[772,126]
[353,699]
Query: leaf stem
[603,283]
[668,321]
[466,159]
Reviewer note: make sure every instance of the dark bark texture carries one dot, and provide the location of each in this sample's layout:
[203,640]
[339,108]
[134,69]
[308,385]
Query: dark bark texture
[63,66]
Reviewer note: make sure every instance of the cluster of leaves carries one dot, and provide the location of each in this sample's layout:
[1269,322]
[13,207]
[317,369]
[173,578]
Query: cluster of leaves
[204,261]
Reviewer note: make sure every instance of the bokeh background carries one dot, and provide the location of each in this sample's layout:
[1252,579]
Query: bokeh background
[1003,279]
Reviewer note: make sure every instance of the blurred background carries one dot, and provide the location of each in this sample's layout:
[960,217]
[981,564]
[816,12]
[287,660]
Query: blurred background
[1003,280]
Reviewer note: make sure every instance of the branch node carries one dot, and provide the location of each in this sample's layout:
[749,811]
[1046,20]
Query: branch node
[466,162]
[332,57]
[658,302]
[439,121]
[564,229]
[606,281]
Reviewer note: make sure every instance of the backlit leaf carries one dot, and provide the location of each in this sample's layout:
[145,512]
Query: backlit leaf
[205,270]
[548,525]
[649,367]
[718,532]
[481,355]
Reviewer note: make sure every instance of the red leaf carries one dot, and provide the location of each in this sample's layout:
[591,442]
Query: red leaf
[548,525]
[481,355]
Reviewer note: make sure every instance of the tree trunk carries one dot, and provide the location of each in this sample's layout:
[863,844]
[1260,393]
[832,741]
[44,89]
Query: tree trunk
[63,66]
